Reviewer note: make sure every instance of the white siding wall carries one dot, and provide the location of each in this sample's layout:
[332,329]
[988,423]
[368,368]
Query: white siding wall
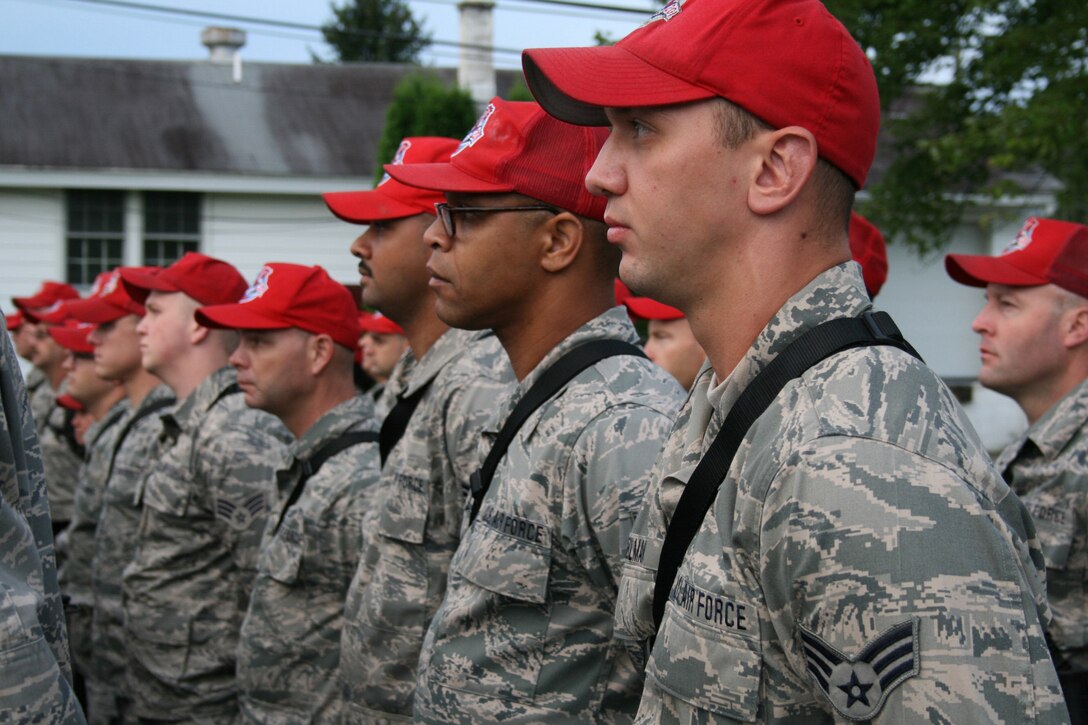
[249,230]
[31,241]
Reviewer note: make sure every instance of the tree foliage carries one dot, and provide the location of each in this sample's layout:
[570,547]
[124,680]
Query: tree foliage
[424,106]
[978,96]
[374,31]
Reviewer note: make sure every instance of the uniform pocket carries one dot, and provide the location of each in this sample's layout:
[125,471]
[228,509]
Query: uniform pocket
[711,670]
[508,555]
[281,557]
[160,647]
[405,508]
[168,491]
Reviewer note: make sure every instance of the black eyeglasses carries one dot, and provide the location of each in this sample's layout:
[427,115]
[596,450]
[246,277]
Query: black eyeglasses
[445,212]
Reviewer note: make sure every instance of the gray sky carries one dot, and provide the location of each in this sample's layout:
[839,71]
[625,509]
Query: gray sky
[70,27]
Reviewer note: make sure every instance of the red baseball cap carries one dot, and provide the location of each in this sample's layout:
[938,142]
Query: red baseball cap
[15,320]
[868,249]
[645,307]
[517,147]
[392,199]
[379,324]
[67,401]
[73,336]
[1046,251]
[109,299]
[54,314]
[789,62]
[290,295]
[48,294]
[207,280]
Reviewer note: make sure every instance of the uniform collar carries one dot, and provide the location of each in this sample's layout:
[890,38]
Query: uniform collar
[191,410]
[613,324]
[445,349]
[103,424]
[837,292]
[356,413]
[1053,431]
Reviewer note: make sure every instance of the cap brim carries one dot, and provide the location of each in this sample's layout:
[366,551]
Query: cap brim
[140,284]
[649,309]
[443,177]
[237,317]
[380,326]
[95,310]
[72,338]
[576,84]
[361,207]
[976,270]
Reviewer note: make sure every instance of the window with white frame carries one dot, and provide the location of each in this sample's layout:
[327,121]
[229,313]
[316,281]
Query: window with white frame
[171,226]
[95,233]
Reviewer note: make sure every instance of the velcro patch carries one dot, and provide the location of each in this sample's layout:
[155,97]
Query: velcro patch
[858,686]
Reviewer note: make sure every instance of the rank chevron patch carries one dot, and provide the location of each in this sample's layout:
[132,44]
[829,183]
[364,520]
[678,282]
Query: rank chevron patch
[858,686]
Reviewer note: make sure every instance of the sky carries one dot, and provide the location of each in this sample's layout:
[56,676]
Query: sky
[80,28]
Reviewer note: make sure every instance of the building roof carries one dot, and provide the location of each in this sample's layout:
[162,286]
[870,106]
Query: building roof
[278,120]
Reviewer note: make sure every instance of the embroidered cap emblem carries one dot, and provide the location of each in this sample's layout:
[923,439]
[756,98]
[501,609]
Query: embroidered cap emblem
[1023,238]
[398,158]
[857,687]
[667,13]
[259,286]
[477,131]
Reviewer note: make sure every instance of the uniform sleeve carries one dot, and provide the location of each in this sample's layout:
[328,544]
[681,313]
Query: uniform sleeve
[238,465]
[895,593]
[607,479]
[470,409]
[35,669]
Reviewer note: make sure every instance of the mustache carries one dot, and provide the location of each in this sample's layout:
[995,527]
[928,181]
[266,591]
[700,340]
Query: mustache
[364,268]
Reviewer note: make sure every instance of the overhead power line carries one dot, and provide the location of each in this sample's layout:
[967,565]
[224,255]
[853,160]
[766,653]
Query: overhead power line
[281,23]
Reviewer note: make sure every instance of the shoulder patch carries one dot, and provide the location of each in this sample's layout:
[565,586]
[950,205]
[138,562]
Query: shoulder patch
[858,686]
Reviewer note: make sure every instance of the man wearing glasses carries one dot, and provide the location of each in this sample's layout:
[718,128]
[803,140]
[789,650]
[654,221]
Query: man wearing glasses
[442,392]
[525,631]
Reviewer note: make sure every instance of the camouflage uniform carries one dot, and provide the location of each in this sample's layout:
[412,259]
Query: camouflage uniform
[402,577]
[525,631]
[1048,468]
[205,505]
[62,458]
[115,541]
[289,647]
[35,672]
[42,397]
[77,540]
[863,558]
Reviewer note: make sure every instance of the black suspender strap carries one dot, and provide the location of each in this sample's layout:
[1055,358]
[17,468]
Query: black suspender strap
[313,464]
[131,423]
[67,433]
[819,343]
[396,420]
[109,423]
[229,390]
[551,382]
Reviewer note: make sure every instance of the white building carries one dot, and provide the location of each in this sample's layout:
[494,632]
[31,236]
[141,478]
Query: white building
[109,161]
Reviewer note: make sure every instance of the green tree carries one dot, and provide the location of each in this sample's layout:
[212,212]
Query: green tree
[374,31]
[978,96]
[424,106]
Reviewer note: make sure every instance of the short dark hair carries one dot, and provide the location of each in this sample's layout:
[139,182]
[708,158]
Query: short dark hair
[835,190]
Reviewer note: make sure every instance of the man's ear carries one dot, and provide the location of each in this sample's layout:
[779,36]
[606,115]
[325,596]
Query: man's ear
[321,350]
[1075,327]
[787,159]
[563,236]
[197,332]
